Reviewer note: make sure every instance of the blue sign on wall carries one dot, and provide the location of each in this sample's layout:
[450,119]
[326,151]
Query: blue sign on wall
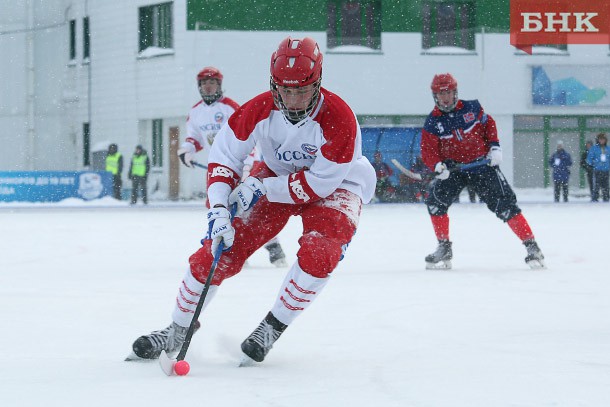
[53,186]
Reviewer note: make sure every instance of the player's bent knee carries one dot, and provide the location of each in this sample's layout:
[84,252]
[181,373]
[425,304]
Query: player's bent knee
[506,212]
[319,255]
[201,262]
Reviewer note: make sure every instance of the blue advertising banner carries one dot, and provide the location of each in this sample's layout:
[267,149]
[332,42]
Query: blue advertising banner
[571,85]
[53,186]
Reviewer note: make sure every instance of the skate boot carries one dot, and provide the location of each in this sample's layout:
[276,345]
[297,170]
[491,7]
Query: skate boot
[534,258]
[441,258]
[276,255]
[169,339]
[257,345]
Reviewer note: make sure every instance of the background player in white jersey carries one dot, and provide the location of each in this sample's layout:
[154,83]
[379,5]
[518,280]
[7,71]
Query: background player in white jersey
[204,120]
[313,168]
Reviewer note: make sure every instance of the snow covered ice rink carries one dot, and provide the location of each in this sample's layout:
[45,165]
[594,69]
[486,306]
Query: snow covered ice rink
[79,283]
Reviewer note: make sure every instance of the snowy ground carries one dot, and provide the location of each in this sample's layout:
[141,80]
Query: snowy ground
[78,283]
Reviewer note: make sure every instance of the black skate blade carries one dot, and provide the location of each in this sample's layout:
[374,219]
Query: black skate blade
[132,357]
[441,265]
[246,361]
[536,264]
[167,364]
[280,263]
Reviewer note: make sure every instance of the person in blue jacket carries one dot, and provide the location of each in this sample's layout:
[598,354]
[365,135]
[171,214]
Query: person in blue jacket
[599,159]
[560,162]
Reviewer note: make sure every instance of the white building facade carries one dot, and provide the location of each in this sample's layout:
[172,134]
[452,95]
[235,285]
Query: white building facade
[77,75]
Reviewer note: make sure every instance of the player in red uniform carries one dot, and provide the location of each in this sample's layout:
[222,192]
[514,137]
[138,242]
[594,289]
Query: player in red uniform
[313,168]
[460,132]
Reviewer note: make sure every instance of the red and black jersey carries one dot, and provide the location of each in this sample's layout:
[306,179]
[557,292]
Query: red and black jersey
[462,135]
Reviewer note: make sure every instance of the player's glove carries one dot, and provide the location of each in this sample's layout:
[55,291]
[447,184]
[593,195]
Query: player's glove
[247,193]
[440,171]
[220,228]
[186,153]
[495,156]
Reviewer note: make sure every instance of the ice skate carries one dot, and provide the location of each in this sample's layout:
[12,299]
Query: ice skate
[534,258]
[257,345]
[170,339]
[441,258]
[276,255]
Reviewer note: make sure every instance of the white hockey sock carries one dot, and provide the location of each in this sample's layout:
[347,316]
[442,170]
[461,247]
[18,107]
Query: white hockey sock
[188,295]
[298,291]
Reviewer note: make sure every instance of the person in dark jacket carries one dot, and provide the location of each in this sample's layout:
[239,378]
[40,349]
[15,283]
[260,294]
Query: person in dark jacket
[138,174]
[114,165]
[560,162]
[585,166]
[599,159]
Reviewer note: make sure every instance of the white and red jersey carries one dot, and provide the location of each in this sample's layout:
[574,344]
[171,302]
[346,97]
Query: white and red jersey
[311,159]
[204,121]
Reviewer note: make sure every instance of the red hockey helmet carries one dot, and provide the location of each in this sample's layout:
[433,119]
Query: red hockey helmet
[209,72]
[296,63]
[444,82]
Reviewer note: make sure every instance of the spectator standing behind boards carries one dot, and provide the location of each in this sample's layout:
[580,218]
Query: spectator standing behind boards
[560,162]
[384,187]
[600,161]
[585,166]
[138,174]
[114,165]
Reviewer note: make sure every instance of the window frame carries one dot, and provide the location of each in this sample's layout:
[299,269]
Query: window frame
[365,21]
[462,18]
[72,43]
[156,26]
[86,39]
[157,143]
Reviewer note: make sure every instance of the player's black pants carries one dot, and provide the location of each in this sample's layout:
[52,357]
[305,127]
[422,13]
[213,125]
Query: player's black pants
[488,183]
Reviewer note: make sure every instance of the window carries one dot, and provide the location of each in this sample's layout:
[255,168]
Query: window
[72,40]
[86,39]
[354,23]
[86,145]
[157,143]
[448,24]
[155,27]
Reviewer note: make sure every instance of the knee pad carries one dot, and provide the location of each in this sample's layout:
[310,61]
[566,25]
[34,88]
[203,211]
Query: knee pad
[319,255]
[506,210]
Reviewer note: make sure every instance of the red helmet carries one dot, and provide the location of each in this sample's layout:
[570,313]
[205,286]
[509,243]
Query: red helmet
[444,82]
[209,72]
[296,63]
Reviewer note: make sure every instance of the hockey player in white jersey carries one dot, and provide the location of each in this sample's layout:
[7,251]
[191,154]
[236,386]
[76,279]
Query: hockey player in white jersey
[204,121]
[313,168]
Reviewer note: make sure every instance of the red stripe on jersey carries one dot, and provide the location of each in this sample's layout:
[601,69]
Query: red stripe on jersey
[245,119]
[299,189]
[220,173]
[229,102]
[197,104]
[339,128]
[198,147]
